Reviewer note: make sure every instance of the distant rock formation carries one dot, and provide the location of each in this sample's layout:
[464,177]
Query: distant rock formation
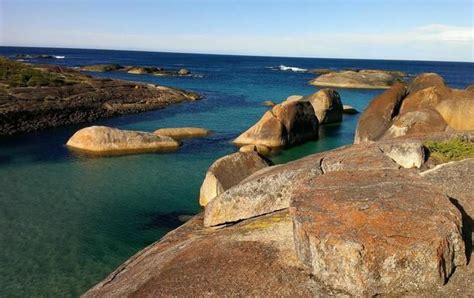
[359,79]
[138,70]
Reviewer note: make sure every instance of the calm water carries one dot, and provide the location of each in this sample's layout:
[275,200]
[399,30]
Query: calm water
[67,221]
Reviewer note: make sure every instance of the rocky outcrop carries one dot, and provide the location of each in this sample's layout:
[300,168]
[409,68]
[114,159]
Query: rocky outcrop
[327,106]
[107,140]
[261,149]
[363,79]
[57,96]
[366,236]
[427,106]
[377,117]
[228,171]
[102,67]
[287,124]
[183,132]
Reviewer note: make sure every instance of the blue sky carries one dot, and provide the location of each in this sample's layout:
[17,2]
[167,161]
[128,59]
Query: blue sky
[412,30]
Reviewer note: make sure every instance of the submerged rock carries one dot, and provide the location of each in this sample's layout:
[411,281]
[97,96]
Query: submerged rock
[107,140]
[228,171]
[347,109]
[183,132]
[377,232]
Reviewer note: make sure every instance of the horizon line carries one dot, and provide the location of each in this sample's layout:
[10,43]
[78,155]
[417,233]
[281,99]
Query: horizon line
[227,54]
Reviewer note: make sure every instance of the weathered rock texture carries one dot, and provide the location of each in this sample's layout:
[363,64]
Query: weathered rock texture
[377,232]
[64,96]
[327,105]
[228,171]
[364,79]
[427,105]
[107,140]
[362,225]
[183,132]
[287,124]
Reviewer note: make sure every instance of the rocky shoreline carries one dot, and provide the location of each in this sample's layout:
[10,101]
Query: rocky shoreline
[137,70]
[36,97]
[388,215]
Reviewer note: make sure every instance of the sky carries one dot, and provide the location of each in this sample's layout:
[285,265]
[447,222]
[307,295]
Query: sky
[439,30]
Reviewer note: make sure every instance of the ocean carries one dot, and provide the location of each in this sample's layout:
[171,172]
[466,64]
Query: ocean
[67,220]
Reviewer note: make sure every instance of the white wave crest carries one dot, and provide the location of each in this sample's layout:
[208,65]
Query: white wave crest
[59,57]
[291,68]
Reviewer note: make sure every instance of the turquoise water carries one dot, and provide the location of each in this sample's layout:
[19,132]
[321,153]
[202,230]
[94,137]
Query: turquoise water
[68,220]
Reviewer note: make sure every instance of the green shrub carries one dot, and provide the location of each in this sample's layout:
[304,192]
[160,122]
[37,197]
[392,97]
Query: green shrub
[451,150]
[16,74]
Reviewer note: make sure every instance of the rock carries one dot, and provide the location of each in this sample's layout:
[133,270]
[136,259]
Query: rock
[364,79]
[458,113]
[287,124]
[327,105]
[347,109]
[470,88]
[455,178]
[423,121]
[320,71]
[425,98]
[380,232]
[228,171]
[267,190]
[184,72]
[269,103]
[107,140]
[254,258]
[294,98]
[183,132]
[408,154]
[141,70]
[261,149]
[267,131]
[426,80]
[377,117]
[102,67]
[263,192]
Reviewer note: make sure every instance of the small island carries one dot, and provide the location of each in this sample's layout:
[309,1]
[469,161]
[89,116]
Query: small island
[358,79]
[138,70]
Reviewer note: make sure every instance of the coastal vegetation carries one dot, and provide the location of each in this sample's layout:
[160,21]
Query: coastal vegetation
[451,150]
[16,74]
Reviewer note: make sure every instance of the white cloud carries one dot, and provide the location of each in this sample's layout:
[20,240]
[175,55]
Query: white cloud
[430,42]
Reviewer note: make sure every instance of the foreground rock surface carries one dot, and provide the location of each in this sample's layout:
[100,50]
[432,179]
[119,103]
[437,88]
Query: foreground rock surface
[57,96]
[380,232]
[252,258]
[363,79]
[183,132]
[228,171]
[107,140]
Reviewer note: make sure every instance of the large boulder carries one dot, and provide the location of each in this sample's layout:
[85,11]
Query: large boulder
[228,171]
[107,140]
[458,113]
[327,105]
[364,79]
[287,124]
[377,118]
[183,132]
[423,121]
[376,232]
[425,98]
